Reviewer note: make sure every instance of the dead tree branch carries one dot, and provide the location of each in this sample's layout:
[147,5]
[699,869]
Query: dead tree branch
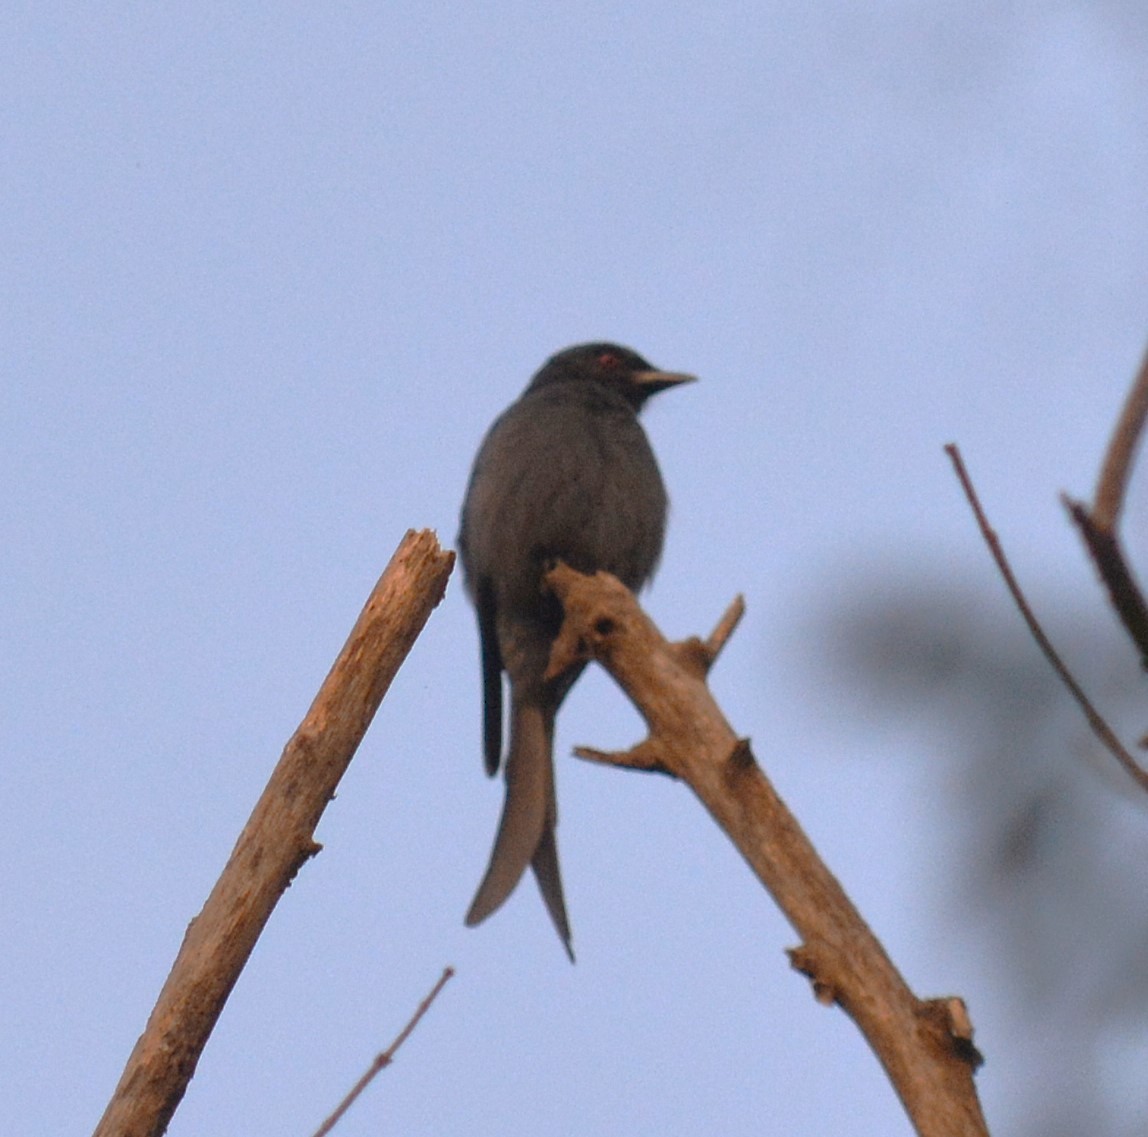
[383,1060]
[1099,526]
[1114,474]
[925,1046]
[1095,719]
[277,840]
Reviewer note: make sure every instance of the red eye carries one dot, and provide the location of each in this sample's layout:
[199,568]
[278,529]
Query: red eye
[607,359]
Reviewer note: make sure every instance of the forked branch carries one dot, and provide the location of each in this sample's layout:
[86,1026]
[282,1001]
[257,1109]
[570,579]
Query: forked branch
[1095,719]
[924,1045]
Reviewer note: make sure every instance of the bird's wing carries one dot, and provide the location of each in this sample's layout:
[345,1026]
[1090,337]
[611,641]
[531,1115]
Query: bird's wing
[491,675]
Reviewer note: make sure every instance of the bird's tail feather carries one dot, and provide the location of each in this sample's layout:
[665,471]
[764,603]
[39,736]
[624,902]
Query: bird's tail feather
[526,831]
[545,866]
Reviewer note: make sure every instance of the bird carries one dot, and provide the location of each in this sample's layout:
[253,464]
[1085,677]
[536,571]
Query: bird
[566,473]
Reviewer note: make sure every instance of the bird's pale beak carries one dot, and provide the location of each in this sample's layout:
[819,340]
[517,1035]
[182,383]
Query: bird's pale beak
[651,382]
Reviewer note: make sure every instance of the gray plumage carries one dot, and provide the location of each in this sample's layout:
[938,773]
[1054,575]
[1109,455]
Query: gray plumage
[566,473]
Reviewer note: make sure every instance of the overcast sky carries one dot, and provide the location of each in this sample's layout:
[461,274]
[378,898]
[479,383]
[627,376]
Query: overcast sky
[269,271]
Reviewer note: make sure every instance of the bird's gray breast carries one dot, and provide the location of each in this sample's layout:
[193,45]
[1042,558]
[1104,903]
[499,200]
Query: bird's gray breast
[565,473]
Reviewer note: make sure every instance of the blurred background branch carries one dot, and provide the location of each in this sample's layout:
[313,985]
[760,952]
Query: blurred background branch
[1098,526]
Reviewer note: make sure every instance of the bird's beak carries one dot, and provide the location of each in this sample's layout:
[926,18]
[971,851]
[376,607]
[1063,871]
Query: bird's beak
[651,382]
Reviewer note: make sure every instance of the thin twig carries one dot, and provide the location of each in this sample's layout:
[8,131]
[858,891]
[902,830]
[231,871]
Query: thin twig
[387,1056]
[1113,482]
[1099,727]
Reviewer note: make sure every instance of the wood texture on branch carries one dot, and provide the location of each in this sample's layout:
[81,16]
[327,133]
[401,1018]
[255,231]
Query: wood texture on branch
[925,1046]
[277,840]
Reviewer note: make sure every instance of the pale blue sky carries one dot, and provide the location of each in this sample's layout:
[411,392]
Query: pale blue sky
[268,273]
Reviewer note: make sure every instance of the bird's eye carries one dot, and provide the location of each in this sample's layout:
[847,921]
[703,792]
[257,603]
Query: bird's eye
[607,359]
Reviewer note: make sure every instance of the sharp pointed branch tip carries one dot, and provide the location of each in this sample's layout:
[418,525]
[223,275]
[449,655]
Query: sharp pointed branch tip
[646,757]
[726,626]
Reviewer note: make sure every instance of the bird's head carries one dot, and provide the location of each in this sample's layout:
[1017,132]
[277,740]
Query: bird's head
[612,366]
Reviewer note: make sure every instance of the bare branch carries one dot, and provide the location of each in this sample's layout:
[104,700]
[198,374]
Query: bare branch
[1108,557]
[926,1051]
[1098,527]
[386,1058]
[1113,482]
[1099,727]
[277,840]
